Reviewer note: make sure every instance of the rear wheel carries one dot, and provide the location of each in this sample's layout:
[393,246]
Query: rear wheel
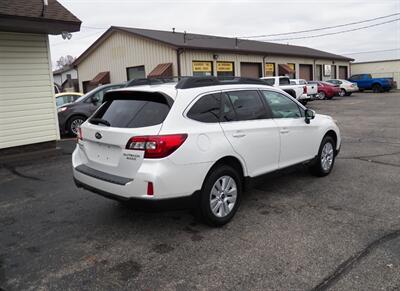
[376,88]
[342,92]
[74,123]
[220,196]
[321,95]
[323,163]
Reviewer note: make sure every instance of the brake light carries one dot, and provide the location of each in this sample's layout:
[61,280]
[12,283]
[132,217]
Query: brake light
[156,146]
[305,90]
[79,135]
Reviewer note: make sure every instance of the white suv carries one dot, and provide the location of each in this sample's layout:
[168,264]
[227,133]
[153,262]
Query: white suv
[200,139]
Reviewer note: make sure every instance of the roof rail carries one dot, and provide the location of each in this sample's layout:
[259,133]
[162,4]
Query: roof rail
[194,82]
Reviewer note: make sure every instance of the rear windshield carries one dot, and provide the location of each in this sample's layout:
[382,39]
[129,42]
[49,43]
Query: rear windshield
[136,111]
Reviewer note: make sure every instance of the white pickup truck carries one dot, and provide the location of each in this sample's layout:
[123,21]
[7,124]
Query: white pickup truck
[296,91]
[312,89]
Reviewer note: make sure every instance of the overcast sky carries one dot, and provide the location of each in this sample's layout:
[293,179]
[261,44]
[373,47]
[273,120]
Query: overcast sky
[237,18]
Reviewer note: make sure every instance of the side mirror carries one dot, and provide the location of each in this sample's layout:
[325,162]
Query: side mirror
[309,114]
[95,99]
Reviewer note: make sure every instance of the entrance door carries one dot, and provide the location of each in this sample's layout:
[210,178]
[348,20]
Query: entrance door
[250,70]
[318,72]
[306,72]
[343,72]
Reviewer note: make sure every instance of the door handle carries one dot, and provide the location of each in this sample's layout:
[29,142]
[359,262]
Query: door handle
[239,134]
[284,130]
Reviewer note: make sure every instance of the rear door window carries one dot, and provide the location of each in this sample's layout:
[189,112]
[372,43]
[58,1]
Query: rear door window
[206,109]
[133,113]
[247,105]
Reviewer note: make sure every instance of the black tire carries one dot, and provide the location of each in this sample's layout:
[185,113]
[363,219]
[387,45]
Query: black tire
[349,93]
[322,95]
[316,166]
[72,122]
[376,88]
[204,210]
[342,93]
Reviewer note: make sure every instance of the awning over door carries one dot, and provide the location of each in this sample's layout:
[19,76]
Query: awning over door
[101,78]
[285,69]
[161,70]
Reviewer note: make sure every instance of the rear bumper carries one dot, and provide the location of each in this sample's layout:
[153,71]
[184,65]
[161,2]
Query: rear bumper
[169,179]
[158,204]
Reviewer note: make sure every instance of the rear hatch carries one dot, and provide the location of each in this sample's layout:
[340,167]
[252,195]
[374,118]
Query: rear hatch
[122,116]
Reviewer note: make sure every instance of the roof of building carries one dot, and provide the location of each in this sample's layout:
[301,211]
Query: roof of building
[216,43]
[63,70]
[33,16]
[376,61]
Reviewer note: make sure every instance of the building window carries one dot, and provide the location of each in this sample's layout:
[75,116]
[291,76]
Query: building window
[293,67]
[225,69]
[269,69]
[135,73]
[202,68]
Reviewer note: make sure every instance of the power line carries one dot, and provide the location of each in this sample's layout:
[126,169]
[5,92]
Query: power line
[78,38]
[338,32]
[368,52]
[322,28]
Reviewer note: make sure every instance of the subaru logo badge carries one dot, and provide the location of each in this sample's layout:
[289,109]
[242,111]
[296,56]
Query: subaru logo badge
[98,135]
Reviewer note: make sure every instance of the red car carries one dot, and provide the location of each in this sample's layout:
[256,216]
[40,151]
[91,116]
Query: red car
[326,90]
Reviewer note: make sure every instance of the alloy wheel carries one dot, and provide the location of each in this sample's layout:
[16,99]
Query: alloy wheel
[75,124]
[223,196]
[327,157]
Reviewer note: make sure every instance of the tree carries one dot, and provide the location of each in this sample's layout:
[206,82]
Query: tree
[64,61]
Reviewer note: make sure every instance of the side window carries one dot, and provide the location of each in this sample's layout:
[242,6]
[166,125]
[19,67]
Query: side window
[292,83]
[302,82]
[282,106]
[206,109]
[270,82]
[247,105]
[284,81]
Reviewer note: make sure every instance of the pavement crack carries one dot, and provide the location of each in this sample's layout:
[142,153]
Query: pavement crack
[355,259]
[19,174]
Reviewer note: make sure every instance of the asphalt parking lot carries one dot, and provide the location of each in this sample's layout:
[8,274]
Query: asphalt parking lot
[292,232]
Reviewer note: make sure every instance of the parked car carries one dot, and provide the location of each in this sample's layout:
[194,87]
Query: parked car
[66,97]
[72,115]
[377,85]
[298,92]
[198,140]
[312,89]
[346,87]
[326,90]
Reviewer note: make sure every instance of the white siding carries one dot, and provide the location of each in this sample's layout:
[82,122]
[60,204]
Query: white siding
[383,69]
[27,105]
[122,50]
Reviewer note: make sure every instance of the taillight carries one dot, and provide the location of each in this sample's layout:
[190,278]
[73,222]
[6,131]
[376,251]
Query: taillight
[305,90]
[79,135]
[156,146]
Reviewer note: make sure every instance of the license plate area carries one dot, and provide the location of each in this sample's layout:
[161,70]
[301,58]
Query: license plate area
[103,153]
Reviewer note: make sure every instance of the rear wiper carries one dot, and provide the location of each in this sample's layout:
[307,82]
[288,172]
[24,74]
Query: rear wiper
[99,120]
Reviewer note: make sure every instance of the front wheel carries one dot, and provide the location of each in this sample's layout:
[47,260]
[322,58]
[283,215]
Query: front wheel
[220,196]
[323,163]
[321,95]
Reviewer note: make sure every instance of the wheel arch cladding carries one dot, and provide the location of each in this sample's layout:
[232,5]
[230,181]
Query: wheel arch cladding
[231,161]
[332,134]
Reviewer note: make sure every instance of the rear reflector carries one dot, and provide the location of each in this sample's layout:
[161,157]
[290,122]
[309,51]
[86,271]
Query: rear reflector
[150,189]
[305,90]
[156,146]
